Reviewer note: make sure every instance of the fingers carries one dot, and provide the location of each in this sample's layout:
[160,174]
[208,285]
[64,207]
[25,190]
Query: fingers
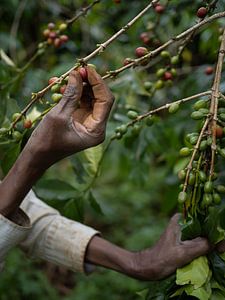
[73,92]
[173,230]
[103,98]
[197,247]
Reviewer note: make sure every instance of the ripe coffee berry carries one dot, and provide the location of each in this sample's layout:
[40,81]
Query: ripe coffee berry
[209,70]
[144,36]
[141,51]
[52,79]
[127,61]
[202,12]
[62,89]
[83,73]
[159,8]
[27,124]
[64,38]
[52,35]
[167,76]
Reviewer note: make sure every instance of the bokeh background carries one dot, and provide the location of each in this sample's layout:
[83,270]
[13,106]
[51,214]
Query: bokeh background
[136,193]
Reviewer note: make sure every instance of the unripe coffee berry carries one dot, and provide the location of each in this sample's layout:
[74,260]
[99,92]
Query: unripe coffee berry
[46,33]
[17,135]
[56,97]
[62,26]
[202,12]
[83,73]
[132,114]
[16,116]
[165,54]
[51,26]
[141,51]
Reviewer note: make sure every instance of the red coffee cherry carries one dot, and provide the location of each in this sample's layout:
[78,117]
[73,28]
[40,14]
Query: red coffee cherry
[141,51]
[62,89]
[209,70]
[202,12]
[52,35]
[144,36]
[57,43]
[168,76]
[53,79]
[27,124]
[159,9]
[83,73]
[64,38]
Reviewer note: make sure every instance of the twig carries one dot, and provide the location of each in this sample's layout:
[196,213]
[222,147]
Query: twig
[222,96]
[82,12]
[214,100]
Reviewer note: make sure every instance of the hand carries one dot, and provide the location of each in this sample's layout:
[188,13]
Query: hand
[77,122]
[168,254]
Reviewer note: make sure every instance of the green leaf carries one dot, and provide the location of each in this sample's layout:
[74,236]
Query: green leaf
[10,157]
[217,295]
[218,267]
[196,273]
[93,156]
[211,227]
[74,209]
[161,290]
[94,204]
[53,189]
[202,293]
[142,294]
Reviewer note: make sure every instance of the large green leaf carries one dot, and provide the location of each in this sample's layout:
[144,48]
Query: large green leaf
[94,204]
[53,189]
[201,293]
[218,268]
[93,156]
[195,273]
[161,290]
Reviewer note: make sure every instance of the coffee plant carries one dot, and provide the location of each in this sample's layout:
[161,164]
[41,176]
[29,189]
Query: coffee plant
[168,35]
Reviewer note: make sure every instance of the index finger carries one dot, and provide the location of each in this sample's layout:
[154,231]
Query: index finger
[103,98]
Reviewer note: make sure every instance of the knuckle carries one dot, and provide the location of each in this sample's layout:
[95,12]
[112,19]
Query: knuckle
[70,92]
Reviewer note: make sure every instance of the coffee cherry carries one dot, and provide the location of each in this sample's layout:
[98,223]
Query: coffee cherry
[182,197]
[127,61]
[203,145]
[62,89]
[55,88]
[46,33]
[62,27]
[83,73]
[159,84]
[167,76]
[52,79]
[56,97]
[185,151]
[148,85]
[160,72]
[193,140]
[181,174]
[50,41]
[209,71]
[222,116]
[64,38]
[174,108]
[219,132]
[173,72]
[159,8]
[149,121]
[15,116]
[200,104]
[27,124]
[51,26]
[174,60]
[196,115]
[216,198]
[122,129]
[144,36]
[141,51]
[52,35]
[57,42]
[207,199]
[132,114]
[202,12]
[165,54]
[17,135]
[208,187]
[3,131]
[191,179]
[220,188]
[202,176]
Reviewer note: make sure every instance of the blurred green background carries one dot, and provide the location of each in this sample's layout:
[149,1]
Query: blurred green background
[137,187]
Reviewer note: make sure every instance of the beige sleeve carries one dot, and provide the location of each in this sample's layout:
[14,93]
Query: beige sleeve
[55,238]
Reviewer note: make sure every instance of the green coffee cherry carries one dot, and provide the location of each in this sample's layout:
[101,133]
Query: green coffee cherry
[159,84]
[214,176]
[196,115]
[182,197]
[62,26]
[221,110]
[203,145]
[209,141]
[173,108]
[207,199]
[55,88]
[222,117]
[165,54]
[15,116]
[208,187]
[185,151]
[181,186]
[118,135]
[181,174]
[200,104]
[174,60]
[16,135]
[56,97]
[136,130]
[132,114]
[216,198]
[160,72]
[149,121]
[3,131]
[204,111]
[220,188]
[202,176]
[191,179]
[122,129]
[148,85]
[173,72]
[193,139]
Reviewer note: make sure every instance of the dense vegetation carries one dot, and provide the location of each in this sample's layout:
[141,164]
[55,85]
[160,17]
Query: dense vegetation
[128,187]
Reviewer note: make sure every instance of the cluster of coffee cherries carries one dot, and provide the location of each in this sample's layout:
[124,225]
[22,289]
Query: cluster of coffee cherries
[53,34]
[203,188]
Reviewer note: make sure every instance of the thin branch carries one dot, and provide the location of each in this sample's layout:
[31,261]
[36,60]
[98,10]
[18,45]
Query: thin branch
[222,96]
[214,100]
[82,12]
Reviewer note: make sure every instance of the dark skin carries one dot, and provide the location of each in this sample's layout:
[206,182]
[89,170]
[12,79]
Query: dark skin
[78,122]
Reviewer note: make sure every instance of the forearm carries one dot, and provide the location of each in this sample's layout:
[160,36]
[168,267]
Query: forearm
[103,253]
[19,181]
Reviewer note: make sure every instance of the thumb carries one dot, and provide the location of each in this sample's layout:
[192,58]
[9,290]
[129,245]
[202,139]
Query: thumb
[197,247]
[73,92]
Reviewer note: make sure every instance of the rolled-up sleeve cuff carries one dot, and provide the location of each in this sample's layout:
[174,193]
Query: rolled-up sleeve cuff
[13,232]
[65,243]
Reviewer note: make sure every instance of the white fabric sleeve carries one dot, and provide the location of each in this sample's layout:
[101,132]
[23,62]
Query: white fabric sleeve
[55,238]
[12,233]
